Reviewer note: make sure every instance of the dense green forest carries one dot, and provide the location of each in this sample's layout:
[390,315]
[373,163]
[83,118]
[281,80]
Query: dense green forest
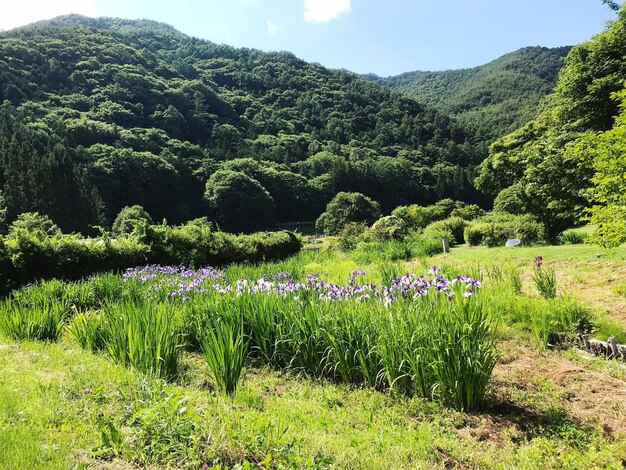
[490,100]
[100,114]
[571,155]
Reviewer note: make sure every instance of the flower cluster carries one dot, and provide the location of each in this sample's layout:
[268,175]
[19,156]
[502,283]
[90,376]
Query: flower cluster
[538,262]
[181,281]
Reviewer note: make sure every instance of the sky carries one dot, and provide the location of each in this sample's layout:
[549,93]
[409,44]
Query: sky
[386,37]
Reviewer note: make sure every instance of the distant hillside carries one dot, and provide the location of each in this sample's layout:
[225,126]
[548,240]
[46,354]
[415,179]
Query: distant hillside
[493,99]
[104,113]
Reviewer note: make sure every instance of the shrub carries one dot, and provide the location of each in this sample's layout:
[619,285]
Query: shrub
[453,226]
[418,217]
[26,256]
[346,208]
[495,229]
[7,271]
[271,246]
[129,218]
[573,237]
[389,228]
[34,222]
[468,212]
[351,234]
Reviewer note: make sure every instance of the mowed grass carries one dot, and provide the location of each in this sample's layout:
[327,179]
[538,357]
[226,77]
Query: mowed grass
[595,276]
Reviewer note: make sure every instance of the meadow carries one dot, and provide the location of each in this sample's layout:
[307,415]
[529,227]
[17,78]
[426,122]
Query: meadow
[365,359]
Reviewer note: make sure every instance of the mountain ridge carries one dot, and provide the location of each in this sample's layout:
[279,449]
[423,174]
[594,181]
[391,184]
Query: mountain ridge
[490,99]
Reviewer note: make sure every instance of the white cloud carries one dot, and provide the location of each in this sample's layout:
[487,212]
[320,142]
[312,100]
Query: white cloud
[272,28]
[22,12]
[325,10]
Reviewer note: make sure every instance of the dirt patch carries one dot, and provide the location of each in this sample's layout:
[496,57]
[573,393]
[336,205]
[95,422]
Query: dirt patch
[590,397]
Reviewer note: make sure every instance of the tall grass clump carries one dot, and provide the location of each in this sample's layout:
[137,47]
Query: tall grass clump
[86,329]
[41,322]
[542,317]
[544,279]
[463,350]
[350,333]
[143,336]
[441,348]
[225,348]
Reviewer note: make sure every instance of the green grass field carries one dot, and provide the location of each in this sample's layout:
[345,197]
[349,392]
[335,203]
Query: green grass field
[62,406]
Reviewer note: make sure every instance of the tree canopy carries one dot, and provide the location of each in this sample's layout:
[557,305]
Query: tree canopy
[348,208]
[100,114]
[492,99]
[539,158]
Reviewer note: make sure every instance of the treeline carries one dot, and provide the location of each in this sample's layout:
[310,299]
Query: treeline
[103,114]
[35,249]
[568,163]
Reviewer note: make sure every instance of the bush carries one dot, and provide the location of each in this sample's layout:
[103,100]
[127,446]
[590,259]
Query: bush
[468,212]
[129,218]
[389,228]
[351,235]
[495,229]
[6,269]
[346,208]
[419,217]
[34,222]
[573,237]
[28,256]
[451,228]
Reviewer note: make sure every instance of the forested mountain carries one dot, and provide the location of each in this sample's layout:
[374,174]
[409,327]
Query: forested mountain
[106,113]
[491,99]
[550,166]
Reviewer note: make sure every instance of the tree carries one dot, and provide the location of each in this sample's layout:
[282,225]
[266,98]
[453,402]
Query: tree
[129,218]
[611,4]
[551,178]
[239,203]
[34,222]
[605,151]
[346,208]
[3,213]
[510,200]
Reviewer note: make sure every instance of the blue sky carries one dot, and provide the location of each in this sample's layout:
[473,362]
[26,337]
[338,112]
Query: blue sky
[386,37]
